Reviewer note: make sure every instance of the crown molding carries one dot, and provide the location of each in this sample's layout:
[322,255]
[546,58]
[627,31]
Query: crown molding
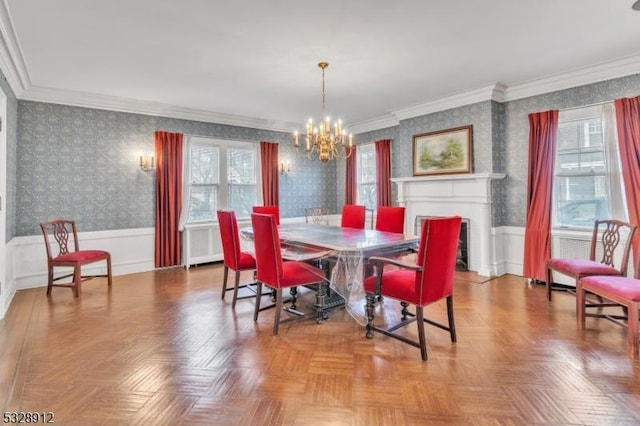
[374,124]
[11,60]
[136,106]
[494,92]
[581,77]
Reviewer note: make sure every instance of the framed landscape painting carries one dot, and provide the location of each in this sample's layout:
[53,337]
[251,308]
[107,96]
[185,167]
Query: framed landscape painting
[443,152]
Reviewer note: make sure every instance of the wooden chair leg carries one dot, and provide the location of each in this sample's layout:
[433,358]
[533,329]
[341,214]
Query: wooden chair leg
[549,281]
[580,306]
[452,323]
[421,336]
[632,329]
[50,281]
[109,279]
[276,321]
[224,282]
[236,284]
[257,306]
[77,278]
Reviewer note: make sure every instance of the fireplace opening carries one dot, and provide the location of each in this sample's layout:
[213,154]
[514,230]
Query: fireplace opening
[462,260]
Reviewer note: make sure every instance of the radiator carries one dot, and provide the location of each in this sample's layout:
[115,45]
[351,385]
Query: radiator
[201,244]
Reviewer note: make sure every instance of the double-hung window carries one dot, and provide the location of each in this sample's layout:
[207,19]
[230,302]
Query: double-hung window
[587,179]
[366,171]
[219,174]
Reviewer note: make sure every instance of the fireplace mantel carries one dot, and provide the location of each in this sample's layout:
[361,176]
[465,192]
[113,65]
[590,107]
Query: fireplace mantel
[465,195]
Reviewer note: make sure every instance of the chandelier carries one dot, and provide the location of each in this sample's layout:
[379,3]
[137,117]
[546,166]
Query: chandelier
[320,141]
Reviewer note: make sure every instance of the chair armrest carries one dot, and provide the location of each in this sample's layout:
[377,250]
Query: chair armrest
[383,260]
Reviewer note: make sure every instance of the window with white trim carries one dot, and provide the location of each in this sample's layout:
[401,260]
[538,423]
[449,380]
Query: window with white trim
[220,175]
[587,178]
[366,170]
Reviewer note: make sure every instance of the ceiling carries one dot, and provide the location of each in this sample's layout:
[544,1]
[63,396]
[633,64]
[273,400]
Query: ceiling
[255,62]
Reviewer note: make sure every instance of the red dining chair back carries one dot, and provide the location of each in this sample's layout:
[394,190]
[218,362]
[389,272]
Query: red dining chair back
[233,257]
[427,281]
[63,250]
[390,219]
[353,216]
[606,236]
[273,272]
[272,210]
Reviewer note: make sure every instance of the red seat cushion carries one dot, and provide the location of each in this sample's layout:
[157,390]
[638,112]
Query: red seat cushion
[398,284]
[300,273]
[628,288]
[581,267]
[246,261]
[81,256]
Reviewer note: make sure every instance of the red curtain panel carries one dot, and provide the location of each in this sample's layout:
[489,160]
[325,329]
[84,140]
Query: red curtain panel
[628,124]
[168,152]
[270,173]
[543,135]
[383,172]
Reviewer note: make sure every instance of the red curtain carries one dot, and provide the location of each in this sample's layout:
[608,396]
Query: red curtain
[383,172]
[628,123]
[543,134]
[351,185]
[168,153]
[270,173]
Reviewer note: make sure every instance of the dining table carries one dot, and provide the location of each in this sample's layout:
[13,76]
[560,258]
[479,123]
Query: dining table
[343,253]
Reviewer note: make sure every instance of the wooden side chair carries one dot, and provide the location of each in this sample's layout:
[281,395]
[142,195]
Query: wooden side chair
[617,291]
[276,274]
[427,281]
[63,251]
[272,210]
[607,235]
[353,216]
[390,219]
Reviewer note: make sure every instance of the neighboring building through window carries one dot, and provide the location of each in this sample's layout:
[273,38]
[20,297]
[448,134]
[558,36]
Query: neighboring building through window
[366,169]
[587,181]
[219,174]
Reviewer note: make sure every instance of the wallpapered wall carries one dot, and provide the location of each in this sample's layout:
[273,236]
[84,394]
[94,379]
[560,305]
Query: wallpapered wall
[9,204]
[82,163]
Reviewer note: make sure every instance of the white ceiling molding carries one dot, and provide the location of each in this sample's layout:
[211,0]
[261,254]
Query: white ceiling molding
[374,124]
[493,92]
[114,103]
[594,74]
[11,60]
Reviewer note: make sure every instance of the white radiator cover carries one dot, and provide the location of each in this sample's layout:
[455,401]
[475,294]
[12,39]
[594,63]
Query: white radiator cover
[201,244]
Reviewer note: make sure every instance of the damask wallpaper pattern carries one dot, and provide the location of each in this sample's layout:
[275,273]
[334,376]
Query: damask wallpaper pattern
[82,163]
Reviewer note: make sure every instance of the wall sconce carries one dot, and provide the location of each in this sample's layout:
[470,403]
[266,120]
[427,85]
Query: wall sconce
[147,163]
[284,170]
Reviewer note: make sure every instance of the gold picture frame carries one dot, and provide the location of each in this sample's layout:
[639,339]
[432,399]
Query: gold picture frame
[443,152]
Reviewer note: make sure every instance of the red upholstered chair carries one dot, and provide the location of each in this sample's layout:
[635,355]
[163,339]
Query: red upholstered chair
[420,284]
[622,291]
[275,273]
[274,210]
[353,216]
[63,234]
[607,235]
[390,219]
[234,258]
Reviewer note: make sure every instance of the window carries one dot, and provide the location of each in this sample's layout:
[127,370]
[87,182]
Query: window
[587,181]
[366,169]
[219,175]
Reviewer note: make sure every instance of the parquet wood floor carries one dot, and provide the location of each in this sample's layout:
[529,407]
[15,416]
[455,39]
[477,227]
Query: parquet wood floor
[162,348]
